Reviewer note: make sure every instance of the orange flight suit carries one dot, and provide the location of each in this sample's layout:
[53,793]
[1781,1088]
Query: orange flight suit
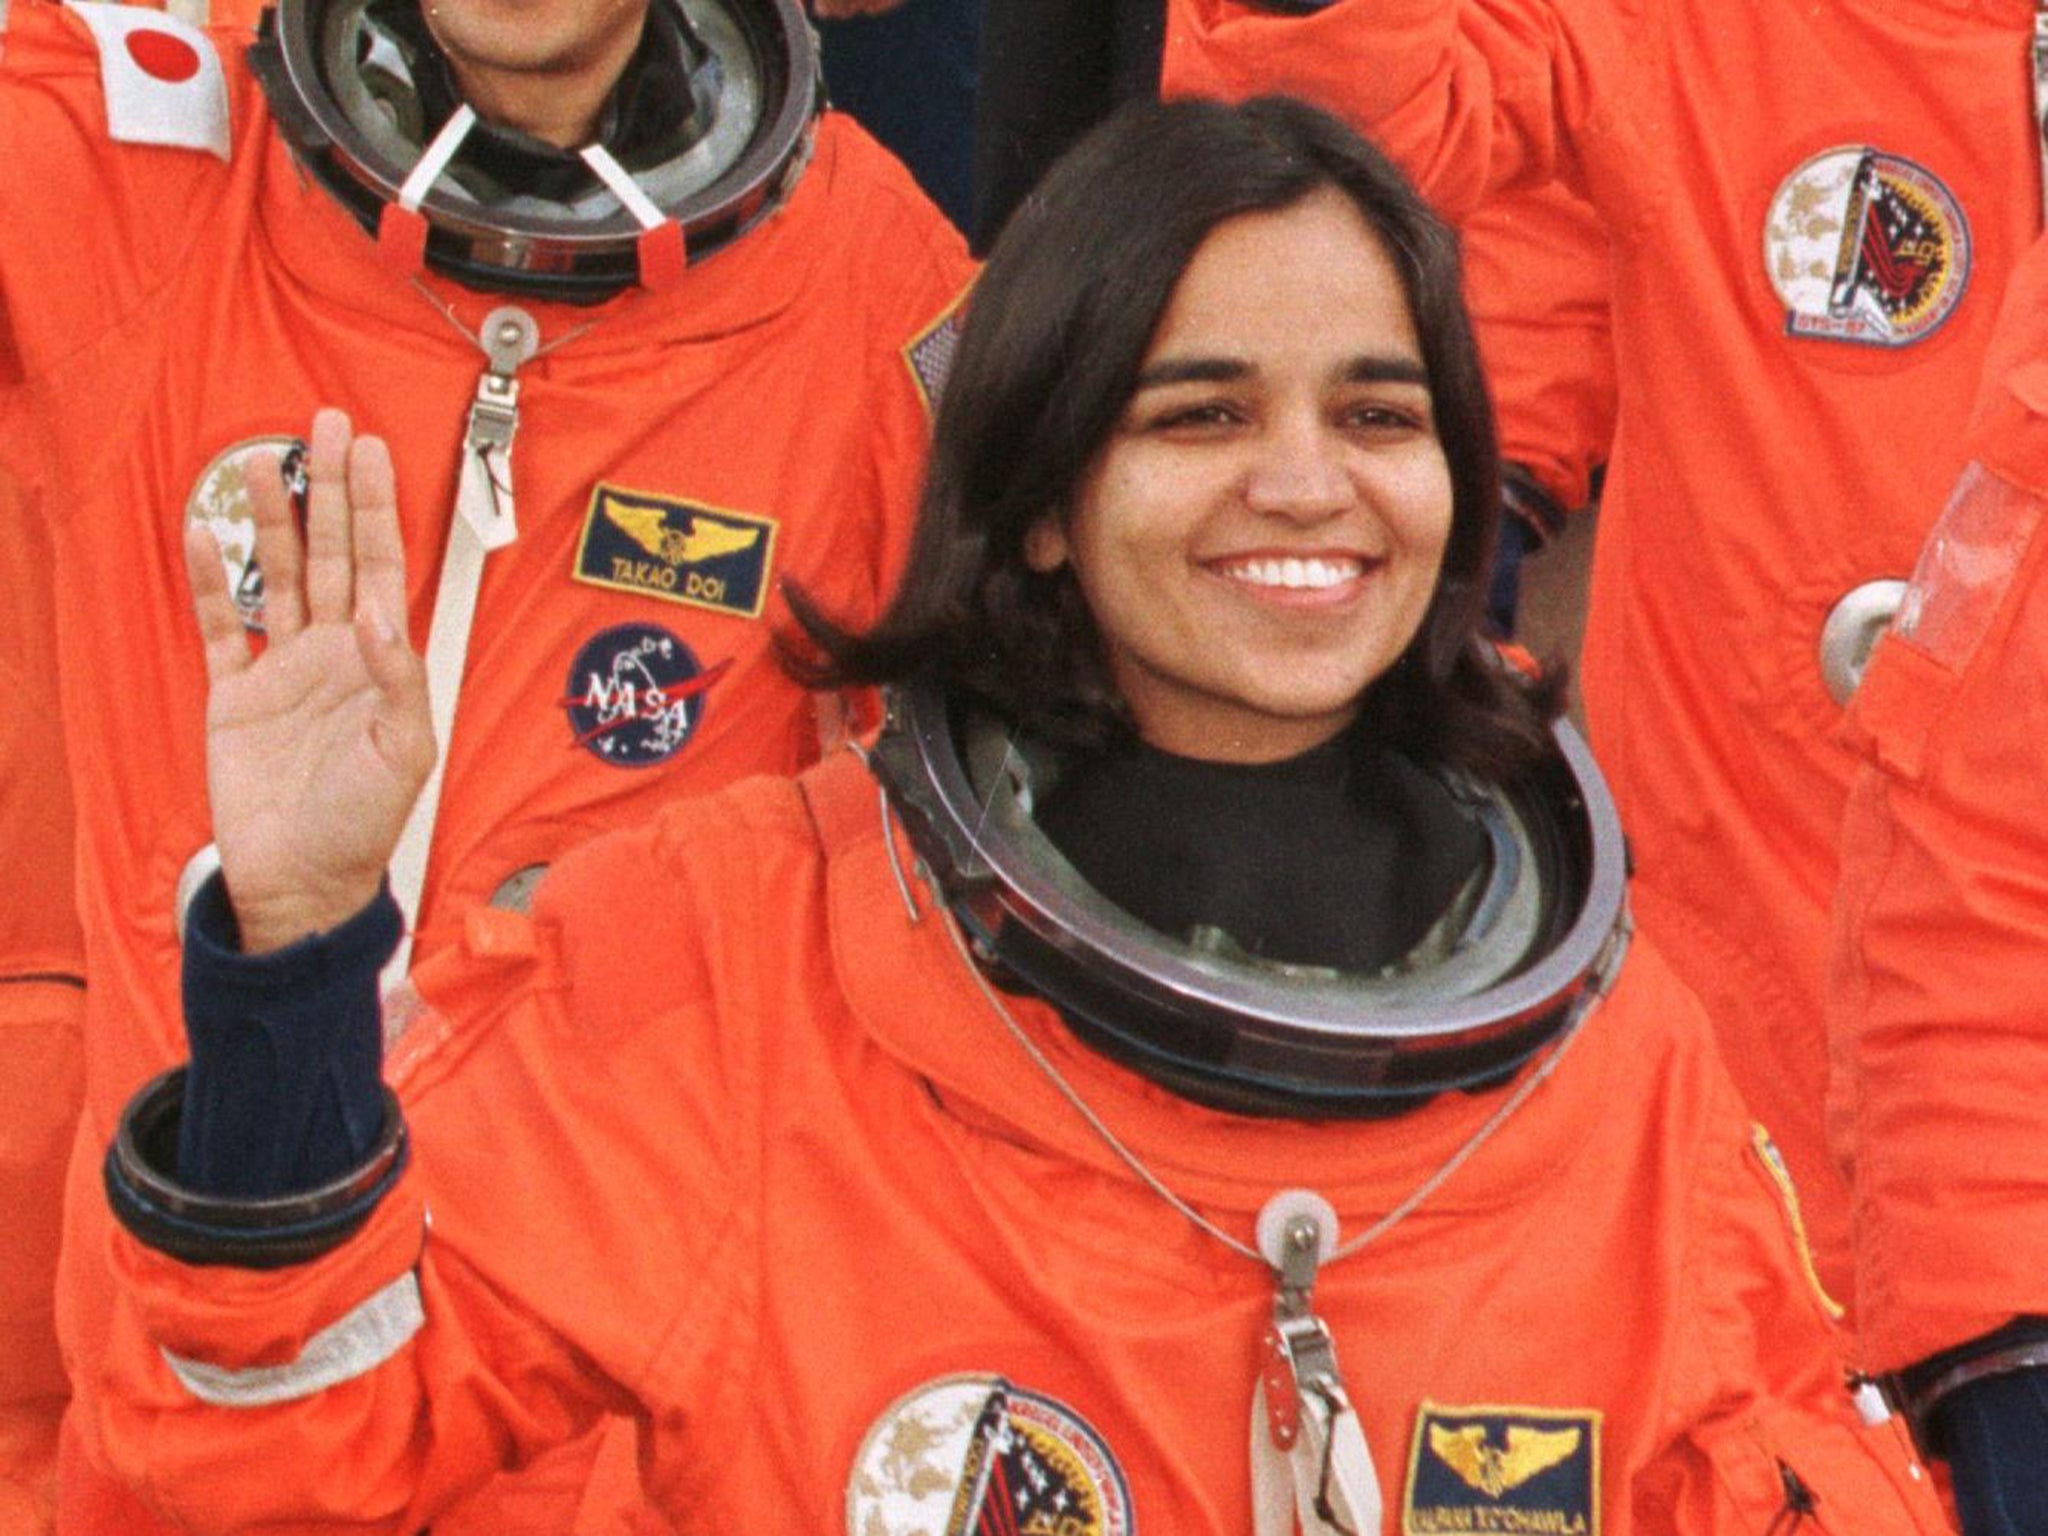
[1942,918]
[725,1134]
[680,454]
[1812,212]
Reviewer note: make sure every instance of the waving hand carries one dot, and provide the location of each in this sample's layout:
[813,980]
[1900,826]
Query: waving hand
[316,749]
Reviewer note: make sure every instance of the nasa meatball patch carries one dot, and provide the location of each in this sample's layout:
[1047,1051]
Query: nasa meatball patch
[1516,1471]
[220,500]
[676,550]
[1866,247]
[975,1454]
[636,694]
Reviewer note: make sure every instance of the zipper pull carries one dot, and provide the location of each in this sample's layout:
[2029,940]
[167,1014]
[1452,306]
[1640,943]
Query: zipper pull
[1799,1504]
[484,497]
[1306,1438]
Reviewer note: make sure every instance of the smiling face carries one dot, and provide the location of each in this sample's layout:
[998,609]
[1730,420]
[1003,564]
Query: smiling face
[1260,535]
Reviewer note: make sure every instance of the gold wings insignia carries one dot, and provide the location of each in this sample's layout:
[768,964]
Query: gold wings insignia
[1492,1472]
[1465,1452]
[643,525]
[1531,1451]
[707,540]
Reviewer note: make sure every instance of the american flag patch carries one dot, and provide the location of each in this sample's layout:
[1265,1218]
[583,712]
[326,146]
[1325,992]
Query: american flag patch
[929,354]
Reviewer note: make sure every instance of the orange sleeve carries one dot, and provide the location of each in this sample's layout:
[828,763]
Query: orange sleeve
[553,1128]
[916,292]
[910,294]
[1536,281]
[1936,1004]
[1467,101]
[433,1378]
[68,188]
[1761,1421]
[1748,1387]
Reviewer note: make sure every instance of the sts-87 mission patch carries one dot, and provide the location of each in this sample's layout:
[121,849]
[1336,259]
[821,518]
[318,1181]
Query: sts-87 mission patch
[676,550]
[1866,247]
[1507,1471]
[972,1455]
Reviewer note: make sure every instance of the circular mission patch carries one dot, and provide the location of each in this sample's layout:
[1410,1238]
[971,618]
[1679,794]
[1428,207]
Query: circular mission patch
[974,1453]
[635,694]
[1866,247]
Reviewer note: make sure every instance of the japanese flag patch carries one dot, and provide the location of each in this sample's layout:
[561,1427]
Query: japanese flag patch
[162,78]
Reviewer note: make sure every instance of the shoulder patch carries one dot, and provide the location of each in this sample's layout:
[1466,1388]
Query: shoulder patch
[162,78]
[1508,1469]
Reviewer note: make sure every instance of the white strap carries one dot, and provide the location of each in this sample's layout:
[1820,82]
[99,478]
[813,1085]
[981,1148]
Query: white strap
[484,520]
[623,187]
[1327,1467]
[356,1345]
[428,168]
[1272,1480]
[462,571]
[1332,1467]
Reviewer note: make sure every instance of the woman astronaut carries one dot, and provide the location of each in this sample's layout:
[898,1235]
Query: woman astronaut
[1198,1089]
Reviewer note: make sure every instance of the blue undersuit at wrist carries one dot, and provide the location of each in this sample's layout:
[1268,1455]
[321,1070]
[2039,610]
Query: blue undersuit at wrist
[285,1091]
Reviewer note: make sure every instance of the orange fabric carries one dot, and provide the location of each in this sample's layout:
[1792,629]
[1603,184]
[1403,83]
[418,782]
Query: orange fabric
[794,1169]
[166,306]
[42,998]
[39,932]
[235,13]
[1943,916]
[1536,283]
[1760,471]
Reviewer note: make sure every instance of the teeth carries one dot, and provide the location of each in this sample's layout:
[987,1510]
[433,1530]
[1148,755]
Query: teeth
[1301,575]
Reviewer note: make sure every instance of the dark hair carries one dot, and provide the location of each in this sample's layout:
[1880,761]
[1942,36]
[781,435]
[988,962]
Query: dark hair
[1056,331]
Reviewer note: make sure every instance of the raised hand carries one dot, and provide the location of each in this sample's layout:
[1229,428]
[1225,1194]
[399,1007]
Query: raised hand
[316,749]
